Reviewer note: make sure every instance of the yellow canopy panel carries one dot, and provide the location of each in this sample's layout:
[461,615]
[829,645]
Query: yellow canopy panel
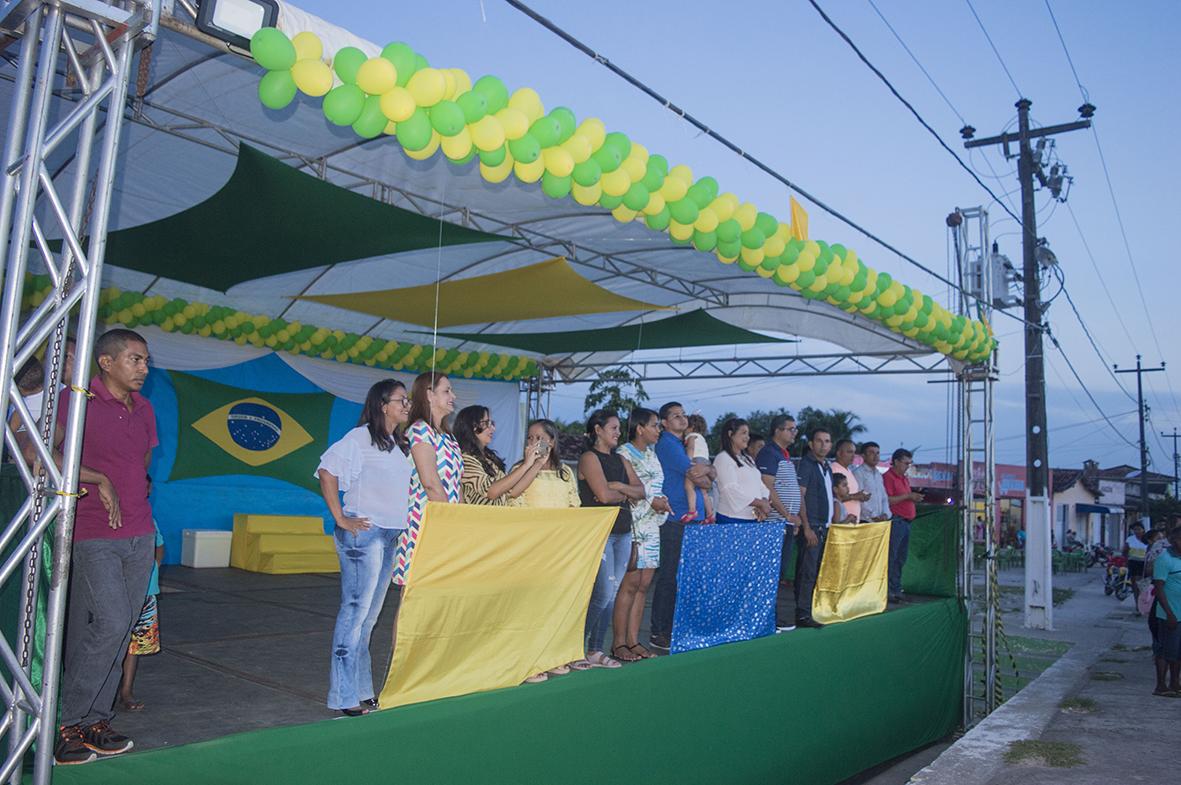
[537,291]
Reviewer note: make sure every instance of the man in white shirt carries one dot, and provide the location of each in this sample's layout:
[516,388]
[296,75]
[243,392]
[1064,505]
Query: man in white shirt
[869,479]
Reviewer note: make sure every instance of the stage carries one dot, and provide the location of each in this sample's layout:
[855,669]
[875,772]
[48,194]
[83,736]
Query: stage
[246,655]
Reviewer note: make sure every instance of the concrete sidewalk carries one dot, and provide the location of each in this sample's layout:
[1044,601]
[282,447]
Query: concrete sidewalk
[1097,697]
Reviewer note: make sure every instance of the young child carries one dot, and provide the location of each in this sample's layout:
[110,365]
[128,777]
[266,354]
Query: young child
[698,450]
[840,485]
[145,635]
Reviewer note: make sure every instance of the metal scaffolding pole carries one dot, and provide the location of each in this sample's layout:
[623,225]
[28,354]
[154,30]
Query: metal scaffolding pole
[89,45]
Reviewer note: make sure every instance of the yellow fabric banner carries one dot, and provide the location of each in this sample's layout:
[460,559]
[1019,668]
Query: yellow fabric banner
[852,580]
[493,595]
[799,220]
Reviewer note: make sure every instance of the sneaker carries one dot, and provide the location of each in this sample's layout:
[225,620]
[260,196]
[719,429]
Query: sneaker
[70,750]
[809,623]
[784,626]
[658,642]
[105,740]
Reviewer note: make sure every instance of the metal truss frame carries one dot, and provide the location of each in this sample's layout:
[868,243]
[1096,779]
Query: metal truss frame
[842,364]
[93,43]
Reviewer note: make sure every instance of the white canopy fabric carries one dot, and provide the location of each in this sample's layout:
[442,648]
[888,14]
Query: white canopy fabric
[197,104]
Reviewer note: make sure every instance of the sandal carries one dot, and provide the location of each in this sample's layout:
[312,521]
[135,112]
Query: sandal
[132,705]
[537,678]
[561,670]
[643,653]
[371,703]
[598,659]
[580,665]
[360,711]
[628,655]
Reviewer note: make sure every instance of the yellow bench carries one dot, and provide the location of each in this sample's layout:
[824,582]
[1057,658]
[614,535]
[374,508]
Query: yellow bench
[282,545]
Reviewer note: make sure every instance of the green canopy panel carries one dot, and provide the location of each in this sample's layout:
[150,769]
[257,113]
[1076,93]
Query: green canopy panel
[536,291]
[270,218]
[695,328]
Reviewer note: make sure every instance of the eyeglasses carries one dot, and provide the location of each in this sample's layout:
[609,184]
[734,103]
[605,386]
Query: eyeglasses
[404,402]
[484,424]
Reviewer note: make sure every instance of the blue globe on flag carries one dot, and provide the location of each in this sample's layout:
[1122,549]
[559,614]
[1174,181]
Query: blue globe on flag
[254,426]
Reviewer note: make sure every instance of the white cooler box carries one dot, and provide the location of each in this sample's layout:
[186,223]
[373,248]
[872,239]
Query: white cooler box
[205,548]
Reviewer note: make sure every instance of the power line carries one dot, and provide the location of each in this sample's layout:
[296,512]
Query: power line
[999,59]
[734,148]
[1065,427]
[1094,344]
[942,95]
[1099,274]
[1084,388]
[1066,51]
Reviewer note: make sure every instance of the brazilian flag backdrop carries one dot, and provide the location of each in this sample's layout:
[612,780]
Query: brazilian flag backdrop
[227,430]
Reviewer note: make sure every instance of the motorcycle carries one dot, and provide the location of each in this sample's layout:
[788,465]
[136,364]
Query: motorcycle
[1117,580]
[1097,554]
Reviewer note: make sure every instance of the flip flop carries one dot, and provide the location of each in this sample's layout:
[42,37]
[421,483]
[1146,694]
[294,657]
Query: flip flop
[132,705]
[598,659]
[630,655]
[561,670]
[643,653]
[537,678]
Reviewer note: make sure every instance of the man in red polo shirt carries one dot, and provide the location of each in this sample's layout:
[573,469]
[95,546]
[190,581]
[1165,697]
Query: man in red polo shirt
[902,509]
[114,545]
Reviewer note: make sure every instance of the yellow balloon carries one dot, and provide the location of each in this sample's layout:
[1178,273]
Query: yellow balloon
[635,167]
[427,86]
[391,128]
[528,102]
[586,195]
[655,204]
[449,84]
[615,183]
[487,133]
[819,284]
[752,255]
[640,152]
[458,146]
[787,273]
[745,215]
[707,221]
[806,261]
[307,46]
[851,258]
[682,173]
[594,131]
[313,77]
[558,162]
[764,272]
[624,214]
[579,148]
[514,122]
[377,75]
[529,173]
[673,189]
[722,208]
[726,259]
[812,248]
[679,231]
[397,104]
[463,82]
[774,246]
[431,148]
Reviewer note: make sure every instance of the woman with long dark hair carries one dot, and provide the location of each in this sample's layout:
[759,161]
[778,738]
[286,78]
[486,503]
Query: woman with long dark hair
[555,485]
[647,516]
[742,496]
[438,462]
[605,479]
[371,465]
[484,480]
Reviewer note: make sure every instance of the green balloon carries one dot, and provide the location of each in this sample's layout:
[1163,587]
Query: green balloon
[728,231]
[420,62]
[684,211]
[729,249]
[414,133]
[447,118]
[474,106]
[555,187]
[675,241]
[842,293]
[610,202]
[371,121]
[821,266]
[790,254]
[492,157]
[471,154]
[753,238]
[658,222]
[608,159]
[636,197]
[807,277]
[546,131]
[839,250]
[746,266]
[402,56]
[884,281]
[525,150]
[654,175]
[494,92]
[766,223]
[587,173]
[769,263]
[620,143]
[272,49]
[567,122]
[705,241]
[699,195]
[660,163]
[346,63]
[343,104]
[709,184]
[859,281]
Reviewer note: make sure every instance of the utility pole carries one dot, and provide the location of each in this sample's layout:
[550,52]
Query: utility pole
[1038,564]
[1176,458]
[1139,370]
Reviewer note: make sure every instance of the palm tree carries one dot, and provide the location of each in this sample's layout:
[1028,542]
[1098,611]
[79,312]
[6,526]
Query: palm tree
[838,422]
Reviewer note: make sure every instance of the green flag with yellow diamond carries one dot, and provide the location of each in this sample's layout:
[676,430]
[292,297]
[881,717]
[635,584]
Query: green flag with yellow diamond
[228,430]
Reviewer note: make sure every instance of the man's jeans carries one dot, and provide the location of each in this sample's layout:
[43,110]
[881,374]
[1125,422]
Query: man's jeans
[366,569]
[899,548]
[616,555]
[664,596]
[807,569]
[108,586]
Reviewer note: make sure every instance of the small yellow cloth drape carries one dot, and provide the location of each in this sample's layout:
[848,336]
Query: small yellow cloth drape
[852,579]
[494,594]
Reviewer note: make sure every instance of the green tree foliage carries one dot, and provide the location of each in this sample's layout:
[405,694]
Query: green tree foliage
[615,389]
[838,422]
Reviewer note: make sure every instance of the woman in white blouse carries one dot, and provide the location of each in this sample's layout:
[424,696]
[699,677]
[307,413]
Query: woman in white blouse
[371,465]
[742,496]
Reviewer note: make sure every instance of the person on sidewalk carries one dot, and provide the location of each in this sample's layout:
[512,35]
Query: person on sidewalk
[114,546]
[1136,549]
[902,507]
[816,512]
[1166,578]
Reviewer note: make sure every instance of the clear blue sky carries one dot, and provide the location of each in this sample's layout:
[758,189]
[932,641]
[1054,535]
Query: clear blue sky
[774,78]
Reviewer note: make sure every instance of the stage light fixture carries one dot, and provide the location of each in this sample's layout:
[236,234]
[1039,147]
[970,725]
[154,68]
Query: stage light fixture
[234,21]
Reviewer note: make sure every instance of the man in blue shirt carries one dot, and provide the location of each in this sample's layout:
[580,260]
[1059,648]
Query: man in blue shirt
[779,475]
[816,510]
[675,462]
